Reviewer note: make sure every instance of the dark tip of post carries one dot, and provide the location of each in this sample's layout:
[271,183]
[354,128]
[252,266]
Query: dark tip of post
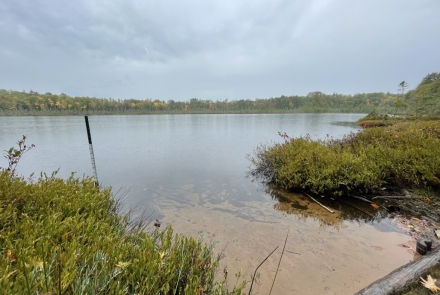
[88,129]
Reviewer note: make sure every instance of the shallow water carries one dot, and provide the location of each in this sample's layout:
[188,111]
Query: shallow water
[190,171]
[326,253]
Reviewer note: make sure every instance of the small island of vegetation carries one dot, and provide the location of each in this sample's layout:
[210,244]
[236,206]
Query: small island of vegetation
[403,151]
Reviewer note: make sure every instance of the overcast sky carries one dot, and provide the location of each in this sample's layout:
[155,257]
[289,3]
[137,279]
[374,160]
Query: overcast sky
[216,49]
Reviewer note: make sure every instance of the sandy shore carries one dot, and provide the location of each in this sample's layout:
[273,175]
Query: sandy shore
[325,254]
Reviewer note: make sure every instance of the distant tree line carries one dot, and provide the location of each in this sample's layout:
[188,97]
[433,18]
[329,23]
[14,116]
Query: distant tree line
[424,99]
[34,103]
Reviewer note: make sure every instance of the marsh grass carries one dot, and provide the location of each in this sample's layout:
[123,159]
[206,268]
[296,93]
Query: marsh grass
[65,236]
[373,119]
[405,154]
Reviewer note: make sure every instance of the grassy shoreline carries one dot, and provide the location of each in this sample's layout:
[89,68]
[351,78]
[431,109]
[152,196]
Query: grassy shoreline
[65,237]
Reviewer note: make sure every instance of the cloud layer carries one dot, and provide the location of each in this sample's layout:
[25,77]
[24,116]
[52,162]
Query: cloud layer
[234,49]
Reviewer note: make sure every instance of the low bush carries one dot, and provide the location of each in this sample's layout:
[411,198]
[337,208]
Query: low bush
[373,119]
[405,154]
[64,236]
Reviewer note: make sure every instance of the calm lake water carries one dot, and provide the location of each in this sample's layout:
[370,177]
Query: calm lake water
[161,151]
[190,171]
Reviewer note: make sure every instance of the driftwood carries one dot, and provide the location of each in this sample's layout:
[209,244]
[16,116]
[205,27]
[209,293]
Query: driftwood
[326,208]
[399,280]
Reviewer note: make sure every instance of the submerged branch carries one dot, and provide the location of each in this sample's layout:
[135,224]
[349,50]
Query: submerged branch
[326,208]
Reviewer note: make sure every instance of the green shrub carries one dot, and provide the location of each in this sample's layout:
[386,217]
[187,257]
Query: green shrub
[65,237]
[405,154]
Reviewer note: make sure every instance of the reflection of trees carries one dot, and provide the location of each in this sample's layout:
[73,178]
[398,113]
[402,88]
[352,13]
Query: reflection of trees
[303,207]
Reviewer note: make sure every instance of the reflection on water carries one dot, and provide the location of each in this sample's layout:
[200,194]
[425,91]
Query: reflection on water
[346,124]
[303,207]
[344,209]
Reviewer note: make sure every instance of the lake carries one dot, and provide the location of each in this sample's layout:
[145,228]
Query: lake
[190,171]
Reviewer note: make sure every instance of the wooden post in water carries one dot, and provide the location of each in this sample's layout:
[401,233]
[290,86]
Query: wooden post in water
[92,156]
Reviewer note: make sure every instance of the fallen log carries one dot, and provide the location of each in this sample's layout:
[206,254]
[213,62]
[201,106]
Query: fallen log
[400,279]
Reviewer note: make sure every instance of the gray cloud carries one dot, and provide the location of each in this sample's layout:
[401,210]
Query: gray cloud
[216,49]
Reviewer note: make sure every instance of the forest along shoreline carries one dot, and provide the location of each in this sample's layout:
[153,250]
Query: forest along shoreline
[423,100]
